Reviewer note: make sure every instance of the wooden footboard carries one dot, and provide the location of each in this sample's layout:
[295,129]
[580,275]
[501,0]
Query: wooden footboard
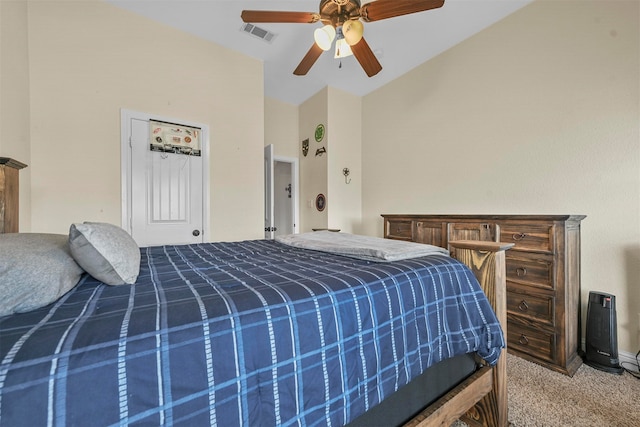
[481,400]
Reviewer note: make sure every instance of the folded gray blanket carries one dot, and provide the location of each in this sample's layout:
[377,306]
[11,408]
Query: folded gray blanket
[361,247]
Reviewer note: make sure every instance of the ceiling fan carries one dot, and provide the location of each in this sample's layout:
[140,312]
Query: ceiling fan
[341,19]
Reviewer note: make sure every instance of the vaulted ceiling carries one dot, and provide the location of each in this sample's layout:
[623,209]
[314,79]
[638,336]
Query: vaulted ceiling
[400,43]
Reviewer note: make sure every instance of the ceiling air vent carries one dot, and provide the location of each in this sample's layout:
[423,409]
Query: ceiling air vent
[258,32]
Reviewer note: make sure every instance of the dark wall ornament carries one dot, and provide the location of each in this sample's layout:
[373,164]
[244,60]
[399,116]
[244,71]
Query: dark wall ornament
[305,147]
[321,202]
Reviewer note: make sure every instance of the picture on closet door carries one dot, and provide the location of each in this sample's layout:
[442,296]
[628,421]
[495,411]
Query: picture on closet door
[174,138]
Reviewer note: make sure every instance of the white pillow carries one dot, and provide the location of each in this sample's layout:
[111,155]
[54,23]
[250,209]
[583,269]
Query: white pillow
[35,270]
[106,252]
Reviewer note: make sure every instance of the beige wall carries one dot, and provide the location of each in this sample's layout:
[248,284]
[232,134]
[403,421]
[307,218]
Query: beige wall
[313,169]
[536,114]
[340,112]
[281,127]
[344,131]
[14,97]
[89,59]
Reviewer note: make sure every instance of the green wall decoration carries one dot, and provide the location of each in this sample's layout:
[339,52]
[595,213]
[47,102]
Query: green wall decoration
[319,132]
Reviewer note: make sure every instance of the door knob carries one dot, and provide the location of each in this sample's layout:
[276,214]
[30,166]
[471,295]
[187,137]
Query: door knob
[196,233]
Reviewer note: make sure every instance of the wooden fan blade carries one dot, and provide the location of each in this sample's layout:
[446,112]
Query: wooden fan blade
[254,16]
[309,59]
[366,58]
[383,9]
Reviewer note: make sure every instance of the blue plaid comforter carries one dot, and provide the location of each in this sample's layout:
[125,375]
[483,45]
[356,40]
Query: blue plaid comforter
[250,333]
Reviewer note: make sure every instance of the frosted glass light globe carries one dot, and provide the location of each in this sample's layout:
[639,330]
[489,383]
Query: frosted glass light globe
[324,36]
[352,30]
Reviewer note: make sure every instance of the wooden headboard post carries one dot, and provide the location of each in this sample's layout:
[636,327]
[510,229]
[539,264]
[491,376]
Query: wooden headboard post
[9,194]
[487,387]
[487,261]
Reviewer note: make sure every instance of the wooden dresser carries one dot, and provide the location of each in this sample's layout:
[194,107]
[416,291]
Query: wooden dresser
[9,194]
[543,275]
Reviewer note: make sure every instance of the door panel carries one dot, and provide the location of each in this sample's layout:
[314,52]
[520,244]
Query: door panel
[166,193]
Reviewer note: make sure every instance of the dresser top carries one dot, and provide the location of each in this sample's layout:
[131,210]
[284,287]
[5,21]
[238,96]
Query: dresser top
[538,217]
[12,163]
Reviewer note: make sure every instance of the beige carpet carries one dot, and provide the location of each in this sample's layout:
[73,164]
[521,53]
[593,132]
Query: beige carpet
[539,397]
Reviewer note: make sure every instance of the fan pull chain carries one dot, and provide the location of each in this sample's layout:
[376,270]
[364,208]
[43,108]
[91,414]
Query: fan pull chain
[340,65]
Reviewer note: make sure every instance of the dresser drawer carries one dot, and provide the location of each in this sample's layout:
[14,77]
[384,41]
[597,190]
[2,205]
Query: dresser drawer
[535,237]
[431,232]
[398,229]
[534,342]
[535,307]
[530,269]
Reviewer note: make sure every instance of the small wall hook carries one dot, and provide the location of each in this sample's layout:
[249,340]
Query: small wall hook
[346,173]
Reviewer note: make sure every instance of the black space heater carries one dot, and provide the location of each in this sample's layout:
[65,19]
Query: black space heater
[602,333]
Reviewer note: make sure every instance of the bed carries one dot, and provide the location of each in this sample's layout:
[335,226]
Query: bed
[258,333]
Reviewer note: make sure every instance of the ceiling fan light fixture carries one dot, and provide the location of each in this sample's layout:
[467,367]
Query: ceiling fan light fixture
[342,21]
[353,31]
[342,46]
[324,36]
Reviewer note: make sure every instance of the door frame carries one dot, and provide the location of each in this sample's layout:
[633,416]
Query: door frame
[125,165]
[269,195]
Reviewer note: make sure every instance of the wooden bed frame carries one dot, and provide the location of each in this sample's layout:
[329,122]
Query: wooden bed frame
[481,399]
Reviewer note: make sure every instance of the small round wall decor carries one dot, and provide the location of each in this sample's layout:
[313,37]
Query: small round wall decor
[321,202]
[319,132]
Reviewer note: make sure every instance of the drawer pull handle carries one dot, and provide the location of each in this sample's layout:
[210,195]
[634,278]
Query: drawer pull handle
[523,340]
[521,271]
[518,236]
[523,306]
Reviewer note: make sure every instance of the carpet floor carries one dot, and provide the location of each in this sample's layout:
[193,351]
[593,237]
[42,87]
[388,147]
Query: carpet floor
[539,397]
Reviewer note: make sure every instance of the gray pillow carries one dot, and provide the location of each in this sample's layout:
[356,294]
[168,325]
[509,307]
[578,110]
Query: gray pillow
[106,252]
[35,270]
